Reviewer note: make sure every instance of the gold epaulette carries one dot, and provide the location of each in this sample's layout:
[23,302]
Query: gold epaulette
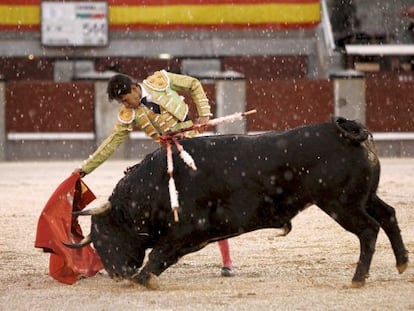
[159,81]
[126,115]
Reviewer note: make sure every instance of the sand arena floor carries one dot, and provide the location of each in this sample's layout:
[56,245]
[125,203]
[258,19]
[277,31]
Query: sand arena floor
[310,269]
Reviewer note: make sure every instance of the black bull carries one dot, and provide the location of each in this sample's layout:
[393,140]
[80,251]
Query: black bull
[244,183]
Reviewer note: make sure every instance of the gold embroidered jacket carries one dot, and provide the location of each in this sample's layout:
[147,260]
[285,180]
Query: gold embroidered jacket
[163,87]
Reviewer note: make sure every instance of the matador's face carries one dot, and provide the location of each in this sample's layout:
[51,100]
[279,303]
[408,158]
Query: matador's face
[132,99]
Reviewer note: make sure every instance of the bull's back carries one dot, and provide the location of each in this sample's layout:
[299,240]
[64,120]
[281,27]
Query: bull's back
[318,145]
[300,159]
[309,160]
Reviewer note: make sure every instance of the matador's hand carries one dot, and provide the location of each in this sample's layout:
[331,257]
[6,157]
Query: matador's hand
[79,171]
[202,120]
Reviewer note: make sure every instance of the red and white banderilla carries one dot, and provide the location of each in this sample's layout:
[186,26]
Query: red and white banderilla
[170,138]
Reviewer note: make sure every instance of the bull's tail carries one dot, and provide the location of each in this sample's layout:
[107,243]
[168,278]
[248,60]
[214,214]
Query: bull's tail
[352,130]
[357,134]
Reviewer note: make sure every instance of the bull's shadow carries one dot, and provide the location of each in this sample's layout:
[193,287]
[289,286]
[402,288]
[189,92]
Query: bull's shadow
[245,183]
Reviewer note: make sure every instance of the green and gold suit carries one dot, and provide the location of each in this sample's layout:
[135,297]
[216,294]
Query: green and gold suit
[163,87]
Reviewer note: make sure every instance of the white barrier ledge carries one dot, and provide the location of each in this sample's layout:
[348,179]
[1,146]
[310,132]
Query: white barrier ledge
[378,135]
[380,49]
[142,135]
[51,136]
[393,135]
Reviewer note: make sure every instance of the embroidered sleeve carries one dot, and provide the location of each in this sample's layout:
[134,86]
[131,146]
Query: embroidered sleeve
[107,147]
[192,85]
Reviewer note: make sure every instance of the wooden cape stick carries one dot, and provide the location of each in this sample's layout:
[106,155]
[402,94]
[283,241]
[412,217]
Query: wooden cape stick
[170,138]
[213,122]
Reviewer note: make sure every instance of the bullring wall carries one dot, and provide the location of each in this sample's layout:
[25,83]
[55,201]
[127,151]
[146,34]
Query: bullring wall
[58,120]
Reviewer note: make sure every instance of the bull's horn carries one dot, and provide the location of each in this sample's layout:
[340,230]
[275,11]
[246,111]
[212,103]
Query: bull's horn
[85,241]
[94,211]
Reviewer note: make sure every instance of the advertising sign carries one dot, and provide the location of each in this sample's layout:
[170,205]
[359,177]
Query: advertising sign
[74,23]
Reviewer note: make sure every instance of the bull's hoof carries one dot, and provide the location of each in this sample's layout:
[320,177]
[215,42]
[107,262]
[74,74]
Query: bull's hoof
[152,282]
[402,263]
[358,284]
[287,227]
[148,280]
[402,267]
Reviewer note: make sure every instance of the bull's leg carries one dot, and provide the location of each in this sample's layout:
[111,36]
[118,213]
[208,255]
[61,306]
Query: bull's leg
[357,221]
[162,256]
[385,215]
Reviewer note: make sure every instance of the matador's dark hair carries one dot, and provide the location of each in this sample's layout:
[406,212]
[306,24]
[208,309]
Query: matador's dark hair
[119,85]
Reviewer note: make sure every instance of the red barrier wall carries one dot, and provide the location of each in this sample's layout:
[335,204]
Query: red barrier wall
[268,67]
[40,106]
[139,68]
[283,104]
[390,103]
[18,68]
[49,107]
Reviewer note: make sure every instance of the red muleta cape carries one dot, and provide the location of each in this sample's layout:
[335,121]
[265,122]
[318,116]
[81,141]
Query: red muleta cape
[57,224]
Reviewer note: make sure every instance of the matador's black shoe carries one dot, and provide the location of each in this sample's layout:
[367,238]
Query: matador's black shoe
[227,272]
